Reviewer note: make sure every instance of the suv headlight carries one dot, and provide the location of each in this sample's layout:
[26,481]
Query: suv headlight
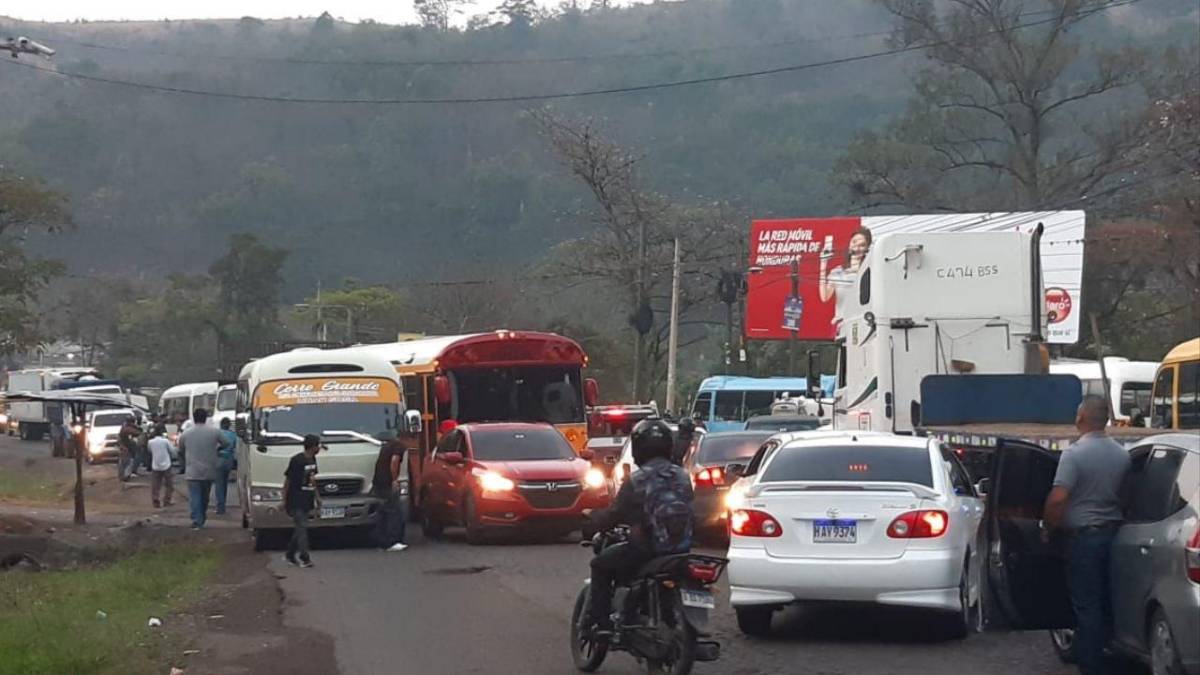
[261,494]
[594,479]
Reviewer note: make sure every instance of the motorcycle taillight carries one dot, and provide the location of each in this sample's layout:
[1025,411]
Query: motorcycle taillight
[704,572]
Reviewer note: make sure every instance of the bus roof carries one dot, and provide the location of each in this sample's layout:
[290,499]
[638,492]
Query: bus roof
[190,389]
[792,385]
[1184,351]
[280,366]
[498,348]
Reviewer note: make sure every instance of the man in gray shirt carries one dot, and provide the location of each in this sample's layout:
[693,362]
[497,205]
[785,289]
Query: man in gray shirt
[198,447]
[1085,504]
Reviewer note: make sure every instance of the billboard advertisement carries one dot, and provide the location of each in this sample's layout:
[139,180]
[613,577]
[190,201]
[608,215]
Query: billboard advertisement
[799,265]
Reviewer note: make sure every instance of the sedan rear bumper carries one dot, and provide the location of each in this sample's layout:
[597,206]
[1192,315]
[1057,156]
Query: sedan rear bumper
[925,579]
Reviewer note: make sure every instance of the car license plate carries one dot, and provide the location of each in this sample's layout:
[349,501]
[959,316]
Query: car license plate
[835,531]
[701,599]
[333,512]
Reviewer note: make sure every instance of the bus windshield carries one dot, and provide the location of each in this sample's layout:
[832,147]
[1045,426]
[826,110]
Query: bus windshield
[372,419]
[520,394]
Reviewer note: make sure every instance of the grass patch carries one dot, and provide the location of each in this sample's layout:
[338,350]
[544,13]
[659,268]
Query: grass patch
[28,487]
[49,625]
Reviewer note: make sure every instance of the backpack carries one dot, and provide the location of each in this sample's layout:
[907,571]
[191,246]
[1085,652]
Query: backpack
[668,511]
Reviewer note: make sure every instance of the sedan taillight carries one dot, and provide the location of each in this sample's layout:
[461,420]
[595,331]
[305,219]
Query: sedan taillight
[1192,556]
[751,523]
[924,524]
[709,477]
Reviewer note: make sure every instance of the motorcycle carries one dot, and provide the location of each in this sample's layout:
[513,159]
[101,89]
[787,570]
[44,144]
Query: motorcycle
[659,614]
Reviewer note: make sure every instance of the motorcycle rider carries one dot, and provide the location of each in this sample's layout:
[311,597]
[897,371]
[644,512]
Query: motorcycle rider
[652,445]
[683,440]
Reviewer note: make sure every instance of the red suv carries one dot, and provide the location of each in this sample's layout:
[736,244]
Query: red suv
[507,475]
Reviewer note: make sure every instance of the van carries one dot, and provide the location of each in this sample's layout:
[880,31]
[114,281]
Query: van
[1129,383]
[179,402]
[1175,400]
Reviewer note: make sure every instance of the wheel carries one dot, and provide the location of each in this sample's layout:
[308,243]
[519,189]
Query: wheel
[475,534]
[754,621]
[1164,655]
[683,646]
[1063,641]
[430,525]
[245,519]
[969,618]
[587,654]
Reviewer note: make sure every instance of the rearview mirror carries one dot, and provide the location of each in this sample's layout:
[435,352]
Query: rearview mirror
[587,454]
[452,458]
[814,374]
[412,421]
[982,487]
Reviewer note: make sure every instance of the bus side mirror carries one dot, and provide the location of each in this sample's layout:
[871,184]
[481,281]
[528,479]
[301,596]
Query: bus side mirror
[591,392]
[441,389]
[412,422]
[239,425]
[814,374]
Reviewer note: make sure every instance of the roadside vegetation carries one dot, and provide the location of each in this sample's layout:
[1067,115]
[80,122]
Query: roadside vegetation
[28,487]
[94,620]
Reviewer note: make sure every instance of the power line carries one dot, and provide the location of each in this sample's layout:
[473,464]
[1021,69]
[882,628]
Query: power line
[576,58]
[548,96]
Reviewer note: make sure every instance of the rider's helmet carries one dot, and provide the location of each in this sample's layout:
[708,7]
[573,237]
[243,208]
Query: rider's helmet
[651,438]
[687,426]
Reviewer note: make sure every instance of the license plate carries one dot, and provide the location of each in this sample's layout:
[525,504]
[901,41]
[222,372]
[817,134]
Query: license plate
[701,599]
[835,531]
[333,512]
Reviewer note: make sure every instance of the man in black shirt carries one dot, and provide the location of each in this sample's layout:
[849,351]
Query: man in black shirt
[300,497]
[390,486]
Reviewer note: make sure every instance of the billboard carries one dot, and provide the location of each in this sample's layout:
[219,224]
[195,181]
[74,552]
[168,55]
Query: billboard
[798,265]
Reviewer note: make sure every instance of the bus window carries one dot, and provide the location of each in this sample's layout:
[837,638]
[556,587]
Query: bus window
[1164,399]
[758,403]
[1135,395]
[1189,395]
[703,406]
[728,407]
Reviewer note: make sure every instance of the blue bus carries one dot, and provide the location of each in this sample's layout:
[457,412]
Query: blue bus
[725,402]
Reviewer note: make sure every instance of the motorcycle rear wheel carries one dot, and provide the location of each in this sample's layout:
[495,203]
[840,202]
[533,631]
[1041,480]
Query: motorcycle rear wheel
[587,654]
[683,646]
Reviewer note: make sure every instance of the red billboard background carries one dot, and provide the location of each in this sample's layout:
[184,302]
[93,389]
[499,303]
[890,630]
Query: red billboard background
[774,244]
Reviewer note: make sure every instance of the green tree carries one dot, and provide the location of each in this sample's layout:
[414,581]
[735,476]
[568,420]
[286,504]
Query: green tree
[167,337]
[437,14]
[367,313]
[249,279]
[26,206]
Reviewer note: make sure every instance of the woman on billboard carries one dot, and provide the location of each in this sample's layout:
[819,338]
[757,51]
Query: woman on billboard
[844,274]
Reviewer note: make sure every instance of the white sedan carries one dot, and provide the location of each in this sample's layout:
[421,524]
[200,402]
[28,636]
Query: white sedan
[861,518]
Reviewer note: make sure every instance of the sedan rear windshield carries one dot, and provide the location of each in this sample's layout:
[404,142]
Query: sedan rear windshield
[505,446]
[852,463]
[718,448]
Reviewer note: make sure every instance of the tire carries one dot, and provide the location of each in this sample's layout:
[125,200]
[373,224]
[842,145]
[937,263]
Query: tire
[586,654]
[1164,652]
[754,621]
[430,526]
[684,643]
[965,621]
[1063,641]
[475,532]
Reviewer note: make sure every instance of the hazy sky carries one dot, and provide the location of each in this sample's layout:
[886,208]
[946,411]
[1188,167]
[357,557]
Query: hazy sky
[387,11]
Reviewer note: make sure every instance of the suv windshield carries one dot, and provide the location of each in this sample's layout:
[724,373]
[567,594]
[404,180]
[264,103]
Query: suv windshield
[851,463]
[110,419]
[526,444]
[718,448]
[372,419]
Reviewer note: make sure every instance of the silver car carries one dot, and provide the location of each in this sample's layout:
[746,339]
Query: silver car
[1155,556]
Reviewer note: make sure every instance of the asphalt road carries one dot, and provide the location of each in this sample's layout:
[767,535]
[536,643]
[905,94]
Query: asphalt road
[446,607]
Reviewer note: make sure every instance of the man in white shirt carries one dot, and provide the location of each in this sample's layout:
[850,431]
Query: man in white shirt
[161,454]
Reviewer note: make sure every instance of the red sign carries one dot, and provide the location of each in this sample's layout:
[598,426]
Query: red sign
[798,266]
[1058,305]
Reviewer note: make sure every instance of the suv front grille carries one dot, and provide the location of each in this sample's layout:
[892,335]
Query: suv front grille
[550,494]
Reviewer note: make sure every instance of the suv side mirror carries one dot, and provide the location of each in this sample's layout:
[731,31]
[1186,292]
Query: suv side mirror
[587,454]
[452,458]
[983,486]
[412,422]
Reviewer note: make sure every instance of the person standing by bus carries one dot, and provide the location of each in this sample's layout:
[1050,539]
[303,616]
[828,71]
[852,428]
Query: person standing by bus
[300,497]
[386,485]
[198,448]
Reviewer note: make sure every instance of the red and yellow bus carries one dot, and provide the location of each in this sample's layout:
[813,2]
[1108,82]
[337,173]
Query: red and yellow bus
[502,376]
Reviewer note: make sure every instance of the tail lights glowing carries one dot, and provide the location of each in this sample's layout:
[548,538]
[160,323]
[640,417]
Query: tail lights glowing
[925,524]
[751,523]
[704,572]
[709,477]
[1192,557]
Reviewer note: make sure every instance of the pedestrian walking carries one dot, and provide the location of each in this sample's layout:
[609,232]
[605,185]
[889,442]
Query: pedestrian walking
[128,449]
[162,479]
[198,447]
[225,454]
[1085,505]
[300,497]
[389,486]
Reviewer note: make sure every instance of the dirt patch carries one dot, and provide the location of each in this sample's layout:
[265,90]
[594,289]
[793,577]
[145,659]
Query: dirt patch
[238,629]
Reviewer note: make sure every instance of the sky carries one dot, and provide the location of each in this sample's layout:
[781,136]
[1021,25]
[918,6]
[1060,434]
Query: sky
[385,11]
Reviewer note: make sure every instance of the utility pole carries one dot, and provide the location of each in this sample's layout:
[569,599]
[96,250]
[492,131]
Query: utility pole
[321,333]
[795,331]
[640,344]
[673,339]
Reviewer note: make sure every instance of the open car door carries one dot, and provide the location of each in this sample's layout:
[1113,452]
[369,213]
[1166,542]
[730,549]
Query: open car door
[1027,577]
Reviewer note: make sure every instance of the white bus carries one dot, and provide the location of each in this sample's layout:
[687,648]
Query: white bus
[348,397]
[179,402]
[1129,382]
